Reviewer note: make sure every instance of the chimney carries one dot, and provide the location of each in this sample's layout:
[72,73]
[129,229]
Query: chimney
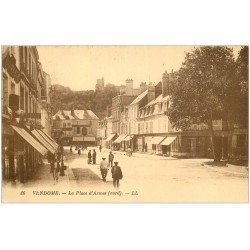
[72,111]
[158,89]
[129,87]
[165,84]
[143,87]
[151,92]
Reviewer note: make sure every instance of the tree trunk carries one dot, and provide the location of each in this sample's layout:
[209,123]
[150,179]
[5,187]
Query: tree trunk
[214,145]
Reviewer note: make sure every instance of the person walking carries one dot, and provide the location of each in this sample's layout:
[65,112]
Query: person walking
[70,149]
[100,148]
[104,166]
[94,156]
[111,158]
[116,174]
[79,151]
[89,157]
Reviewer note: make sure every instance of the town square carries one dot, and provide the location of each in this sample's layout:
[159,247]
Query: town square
[176,135]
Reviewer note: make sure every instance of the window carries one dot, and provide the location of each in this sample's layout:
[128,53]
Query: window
[78,130]
[64,125]
[5,96]
[12,90]
[26,56]
[22,97]
[241,139]
[151,127]
[26,102]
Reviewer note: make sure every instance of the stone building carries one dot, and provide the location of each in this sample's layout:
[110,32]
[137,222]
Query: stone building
[24,141]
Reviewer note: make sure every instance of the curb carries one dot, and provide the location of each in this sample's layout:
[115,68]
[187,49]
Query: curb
[225,171]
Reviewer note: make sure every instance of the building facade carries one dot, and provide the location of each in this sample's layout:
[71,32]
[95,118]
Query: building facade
[22,150]
[78,127]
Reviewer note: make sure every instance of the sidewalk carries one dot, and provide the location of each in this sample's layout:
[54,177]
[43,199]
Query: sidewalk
[43,178]
[141,154]
[240,171]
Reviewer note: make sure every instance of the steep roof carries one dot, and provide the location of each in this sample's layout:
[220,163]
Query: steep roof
[157,100]
[79,114]
[139,97]
[85,114]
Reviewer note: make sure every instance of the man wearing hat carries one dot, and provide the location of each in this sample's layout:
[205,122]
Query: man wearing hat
[116,174]
[104,166]
[111,158]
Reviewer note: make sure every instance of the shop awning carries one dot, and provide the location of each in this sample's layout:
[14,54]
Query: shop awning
[77,138]
[119,139]
[128,138]
[49,137]
[168,140]
[43,141]
[52,144]
[110,137]
[32,141]
[89,138]
[157,139]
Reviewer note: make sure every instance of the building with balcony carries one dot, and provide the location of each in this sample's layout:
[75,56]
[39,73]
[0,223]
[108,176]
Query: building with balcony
[24,141]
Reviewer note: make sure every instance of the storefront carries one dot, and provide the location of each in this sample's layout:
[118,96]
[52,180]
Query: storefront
[117,145]
[109,141]
[21,153]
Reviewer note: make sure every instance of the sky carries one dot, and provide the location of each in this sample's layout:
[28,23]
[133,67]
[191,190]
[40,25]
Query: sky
[78,67]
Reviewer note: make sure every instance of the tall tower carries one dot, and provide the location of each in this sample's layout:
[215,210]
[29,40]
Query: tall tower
[129,87]
[99,84]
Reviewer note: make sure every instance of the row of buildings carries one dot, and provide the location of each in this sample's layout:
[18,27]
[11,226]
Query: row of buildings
[26,113]
[83,127]
[75,127]
[140,122]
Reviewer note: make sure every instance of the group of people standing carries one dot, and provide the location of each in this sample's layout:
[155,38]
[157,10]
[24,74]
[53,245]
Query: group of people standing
[105,165]
[92,157]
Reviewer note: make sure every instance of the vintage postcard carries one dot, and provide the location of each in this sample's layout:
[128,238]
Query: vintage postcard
[125,124]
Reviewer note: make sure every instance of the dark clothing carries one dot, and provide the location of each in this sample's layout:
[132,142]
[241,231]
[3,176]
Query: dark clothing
[89,157]
[94,158]
[79,151]
[116,173]
[104,173]
[111,159]
[116,183]
[111,163]
[100,147]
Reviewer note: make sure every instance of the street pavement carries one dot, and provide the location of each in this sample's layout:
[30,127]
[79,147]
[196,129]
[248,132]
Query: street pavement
[157,178]
[146,178]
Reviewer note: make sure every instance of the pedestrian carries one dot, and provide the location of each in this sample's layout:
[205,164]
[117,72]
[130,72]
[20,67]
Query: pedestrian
[104,166]
[79,150]
[111,158]
[116,174]
[94,156]
[70,149]
[100,148]
[89,157]
[129,152]
[56,170]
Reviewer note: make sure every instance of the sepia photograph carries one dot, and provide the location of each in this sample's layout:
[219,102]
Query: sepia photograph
[125,124]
